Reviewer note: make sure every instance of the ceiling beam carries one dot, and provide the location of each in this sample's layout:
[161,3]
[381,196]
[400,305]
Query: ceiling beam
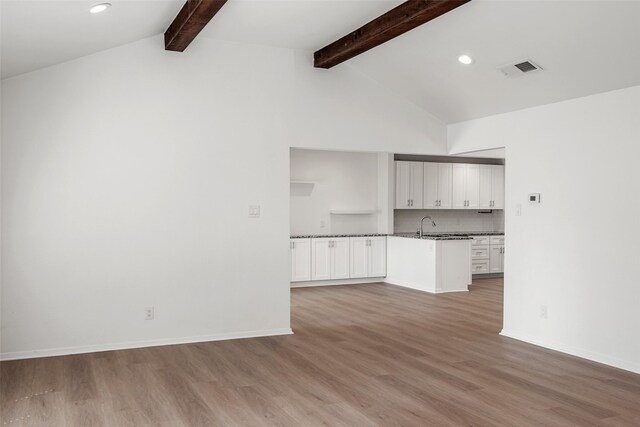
[397,21]
[192,18]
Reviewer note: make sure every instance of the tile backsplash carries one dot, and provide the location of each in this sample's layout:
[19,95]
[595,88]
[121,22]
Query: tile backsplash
[408,221]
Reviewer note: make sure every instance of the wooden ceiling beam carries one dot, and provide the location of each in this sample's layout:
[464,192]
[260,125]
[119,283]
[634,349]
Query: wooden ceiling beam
[192,18]
[397,21]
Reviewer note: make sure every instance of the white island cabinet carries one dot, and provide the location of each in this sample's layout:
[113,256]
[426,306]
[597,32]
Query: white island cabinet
[435,266]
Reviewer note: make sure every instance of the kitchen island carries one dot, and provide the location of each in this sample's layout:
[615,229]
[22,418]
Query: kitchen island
[435,263]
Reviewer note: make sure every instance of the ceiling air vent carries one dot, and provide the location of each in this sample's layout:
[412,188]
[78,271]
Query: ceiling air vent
[520,68]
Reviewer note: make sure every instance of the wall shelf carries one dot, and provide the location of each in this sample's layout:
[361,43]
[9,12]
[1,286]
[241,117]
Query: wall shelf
[352,211]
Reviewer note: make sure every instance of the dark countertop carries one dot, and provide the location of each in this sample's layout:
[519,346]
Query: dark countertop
[327,236]
[434,236]
[454,235]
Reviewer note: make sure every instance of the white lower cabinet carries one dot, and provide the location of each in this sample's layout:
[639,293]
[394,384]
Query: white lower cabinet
[496,259]
[368,257]
[330,258]
[487,254]
[300,260]
[320,259]
[338,258]
[377,256]
[359,257]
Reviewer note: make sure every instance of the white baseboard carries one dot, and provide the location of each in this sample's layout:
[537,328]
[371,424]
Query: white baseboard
[337,282]
[410,286]
[30,354]
[578,352]
[400,283]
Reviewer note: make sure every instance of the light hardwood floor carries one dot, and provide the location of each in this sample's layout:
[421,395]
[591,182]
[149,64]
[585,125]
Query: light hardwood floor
[361,355]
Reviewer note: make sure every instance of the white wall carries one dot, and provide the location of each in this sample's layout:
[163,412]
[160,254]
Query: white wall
[342,180]
[447,220]
[126,180]
[576,252]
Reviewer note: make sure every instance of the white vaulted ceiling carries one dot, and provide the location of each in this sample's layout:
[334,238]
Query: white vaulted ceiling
[585,47]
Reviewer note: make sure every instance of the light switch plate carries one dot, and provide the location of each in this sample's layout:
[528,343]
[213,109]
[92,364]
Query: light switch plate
[254,211]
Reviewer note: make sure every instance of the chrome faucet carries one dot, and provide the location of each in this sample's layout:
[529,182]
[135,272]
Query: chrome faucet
[433,224]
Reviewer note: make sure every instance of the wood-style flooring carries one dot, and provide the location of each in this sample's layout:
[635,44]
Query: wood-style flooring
[361,355]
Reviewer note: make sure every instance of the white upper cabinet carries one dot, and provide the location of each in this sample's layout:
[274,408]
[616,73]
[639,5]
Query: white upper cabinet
[491,187]
[465,186]
[449,186]
[409,177]
[485,187]
[497,186]
[300,260]
[437,186]
[473,186]
[459,186]
[368,257]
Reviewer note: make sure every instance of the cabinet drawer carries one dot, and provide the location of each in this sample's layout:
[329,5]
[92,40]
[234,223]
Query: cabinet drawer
[479,267]
[480,252]
[497,240]
[480,240]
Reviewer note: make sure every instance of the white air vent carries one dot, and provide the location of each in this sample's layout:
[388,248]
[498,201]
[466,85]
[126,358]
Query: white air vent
[520,68]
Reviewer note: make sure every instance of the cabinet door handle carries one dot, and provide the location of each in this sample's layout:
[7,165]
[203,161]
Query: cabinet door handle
[408,202]
[412,202]
[293,245]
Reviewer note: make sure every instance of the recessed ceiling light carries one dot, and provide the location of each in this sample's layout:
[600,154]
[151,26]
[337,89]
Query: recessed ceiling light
[100,7]
[465,59]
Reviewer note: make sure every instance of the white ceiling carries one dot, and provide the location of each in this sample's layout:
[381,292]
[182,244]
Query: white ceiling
[585,47]
[40,33]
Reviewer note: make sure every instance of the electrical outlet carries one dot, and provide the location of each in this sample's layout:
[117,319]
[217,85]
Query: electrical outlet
[148,313]
[543,311]
[254,211]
